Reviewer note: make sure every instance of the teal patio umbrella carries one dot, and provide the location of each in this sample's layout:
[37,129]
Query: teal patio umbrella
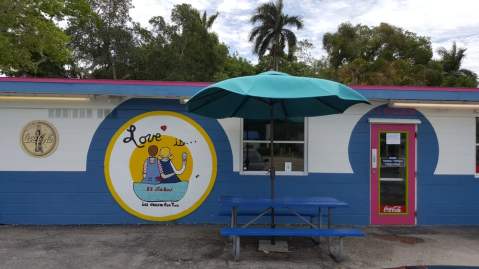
[272,96]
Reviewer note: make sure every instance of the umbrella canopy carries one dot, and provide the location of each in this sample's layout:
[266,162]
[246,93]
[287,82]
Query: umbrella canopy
[273,95]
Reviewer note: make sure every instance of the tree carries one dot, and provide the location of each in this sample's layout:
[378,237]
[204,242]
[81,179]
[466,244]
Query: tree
[30,41]
[207,22]
[384,54]
[304,52]
[183,50]
[235,66]
[270,33]
[102,40]
[195,53]
[451,61]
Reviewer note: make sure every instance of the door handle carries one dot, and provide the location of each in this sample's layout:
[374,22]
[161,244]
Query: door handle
[374,158]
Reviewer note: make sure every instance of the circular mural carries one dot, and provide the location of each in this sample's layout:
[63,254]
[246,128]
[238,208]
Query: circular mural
[39,138]
[160,165]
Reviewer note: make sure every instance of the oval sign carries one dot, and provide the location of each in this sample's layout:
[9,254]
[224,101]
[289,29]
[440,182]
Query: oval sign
[160,165]
[39,138]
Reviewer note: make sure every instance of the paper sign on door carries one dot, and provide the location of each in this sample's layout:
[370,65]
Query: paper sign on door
[393,138]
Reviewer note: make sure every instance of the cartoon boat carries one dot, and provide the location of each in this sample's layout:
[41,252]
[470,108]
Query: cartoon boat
[165,192]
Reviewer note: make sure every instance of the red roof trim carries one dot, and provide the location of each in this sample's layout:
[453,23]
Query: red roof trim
[107,81]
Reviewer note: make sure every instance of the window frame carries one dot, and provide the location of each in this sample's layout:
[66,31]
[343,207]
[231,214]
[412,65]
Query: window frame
[279,173]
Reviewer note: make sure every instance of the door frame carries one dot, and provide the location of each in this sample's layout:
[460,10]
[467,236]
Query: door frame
[376,121]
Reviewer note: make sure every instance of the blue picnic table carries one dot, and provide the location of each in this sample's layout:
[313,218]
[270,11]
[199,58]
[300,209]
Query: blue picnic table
[285,206]
[301,207]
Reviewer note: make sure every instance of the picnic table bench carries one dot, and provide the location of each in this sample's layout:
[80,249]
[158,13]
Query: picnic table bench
[236,233]
[299,207]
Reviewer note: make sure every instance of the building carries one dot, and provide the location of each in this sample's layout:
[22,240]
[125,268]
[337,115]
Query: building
[119,152]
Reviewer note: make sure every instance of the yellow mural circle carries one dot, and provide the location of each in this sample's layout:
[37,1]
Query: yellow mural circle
[165,141]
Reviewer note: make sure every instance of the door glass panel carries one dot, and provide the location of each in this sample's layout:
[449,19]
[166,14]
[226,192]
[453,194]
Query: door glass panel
[393,172]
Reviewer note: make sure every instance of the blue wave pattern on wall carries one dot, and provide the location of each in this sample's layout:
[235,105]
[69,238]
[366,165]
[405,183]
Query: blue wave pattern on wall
[83,197]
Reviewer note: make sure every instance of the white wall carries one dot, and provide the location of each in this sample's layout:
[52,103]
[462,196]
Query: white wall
[74,140]
[232,128]
[328,140]
[456,134]
[328,137]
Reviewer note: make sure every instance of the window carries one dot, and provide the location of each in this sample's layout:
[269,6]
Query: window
[289,146]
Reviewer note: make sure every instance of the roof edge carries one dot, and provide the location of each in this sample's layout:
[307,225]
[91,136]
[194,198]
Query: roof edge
[106,81]
[413,88]
[205,84]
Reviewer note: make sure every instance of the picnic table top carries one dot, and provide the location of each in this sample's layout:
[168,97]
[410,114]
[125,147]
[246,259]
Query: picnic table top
[320,201]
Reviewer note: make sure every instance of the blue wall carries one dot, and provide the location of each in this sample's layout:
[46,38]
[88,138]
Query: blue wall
[83,197]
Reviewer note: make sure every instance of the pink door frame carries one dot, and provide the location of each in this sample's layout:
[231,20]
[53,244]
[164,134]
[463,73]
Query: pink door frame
[408,218]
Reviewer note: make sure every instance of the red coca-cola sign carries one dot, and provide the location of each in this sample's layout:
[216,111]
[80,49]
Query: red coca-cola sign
[393,209]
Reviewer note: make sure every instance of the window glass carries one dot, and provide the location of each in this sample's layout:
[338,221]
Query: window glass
[287,157]
[255,156]
[477,130]
[393,171]
[289,146]
[255,130]
[292,130]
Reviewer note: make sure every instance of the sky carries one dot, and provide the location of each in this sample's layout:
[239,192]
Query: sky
[444,21]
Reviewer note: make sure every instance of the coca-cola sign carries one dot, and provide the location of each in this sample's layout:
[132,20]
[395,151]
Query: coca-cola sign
[39,138]
[393,209]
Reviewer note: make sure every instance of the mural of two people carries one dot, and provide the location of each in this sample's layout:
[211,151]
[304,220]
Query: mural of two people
[161,182]
[158,167]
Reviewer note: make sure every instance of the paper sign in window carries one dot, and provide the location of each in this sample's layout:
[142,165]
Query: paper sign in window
[288,166]
[393,138]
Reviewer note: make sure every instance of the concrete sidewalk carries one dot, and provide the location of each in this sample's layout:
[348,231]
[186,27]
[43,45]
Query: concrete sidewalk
[200,246]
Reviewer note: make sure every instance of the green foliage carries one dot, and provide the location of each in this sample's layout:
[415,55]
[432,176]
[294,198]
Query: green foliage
[102,39]
[451,61]
[30,41]
[235,66]
[184,50]
[388,55]
[271,32]
[108,45]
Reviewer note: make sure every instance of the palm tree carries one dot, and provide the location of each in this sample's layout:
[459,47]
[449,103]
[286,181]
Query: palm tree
[207,22]
[271,33]
[452,59]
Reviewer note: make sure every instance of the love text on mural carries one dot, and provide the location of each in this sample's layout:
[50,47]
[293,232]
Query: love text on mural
[142,140]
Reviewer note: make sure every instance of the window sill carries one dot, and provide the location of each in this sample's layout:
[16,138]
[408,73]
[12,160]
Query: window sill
[262,173]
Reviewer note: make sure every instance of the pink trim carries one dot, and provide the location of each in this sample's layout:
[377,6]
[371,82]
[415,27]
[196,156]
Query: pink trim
[413,88]
[408,219]
[204,84]
[108,81]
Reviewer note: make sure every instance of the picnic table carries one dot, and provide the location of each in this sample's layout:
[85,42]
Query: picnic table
[301,207]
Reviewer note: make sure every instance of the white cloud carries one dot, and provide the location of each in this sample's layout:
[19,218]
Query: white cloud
[444,21]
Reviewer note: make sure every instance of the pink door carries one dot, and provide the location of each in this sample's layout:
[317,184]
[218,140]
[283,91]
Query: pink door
[393,170]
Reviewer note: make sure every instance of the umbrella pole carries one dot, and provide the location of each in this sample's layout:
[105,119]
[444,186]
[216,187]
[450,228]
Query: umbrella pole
[272,171]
